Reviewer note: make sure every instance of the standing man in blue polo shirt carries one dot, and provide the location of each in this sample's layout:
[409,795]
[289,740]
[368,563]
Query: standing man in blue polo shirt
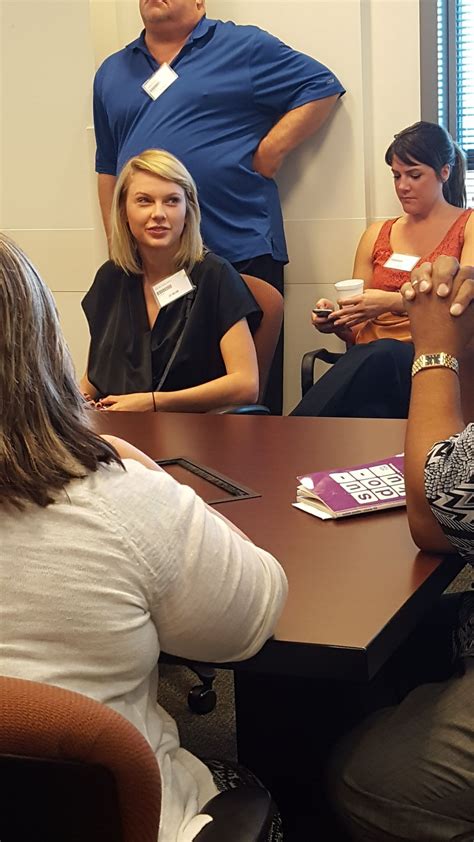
[230,102]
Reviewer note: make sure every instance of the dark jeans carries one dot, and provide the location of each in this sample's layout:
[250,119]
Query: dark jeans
[369,381]
[270,270]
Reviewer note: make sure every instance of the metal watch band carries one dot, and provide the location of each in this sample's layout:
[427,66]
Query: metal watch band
[438,360]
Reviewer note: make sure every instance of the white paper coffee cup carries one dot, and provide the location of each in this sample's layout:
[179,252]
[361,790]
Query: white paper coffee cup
[349,288]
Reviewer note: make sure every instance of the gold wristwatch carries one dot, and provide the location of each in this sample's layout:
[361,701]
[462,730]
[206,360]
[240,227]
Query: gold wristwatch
[438,360]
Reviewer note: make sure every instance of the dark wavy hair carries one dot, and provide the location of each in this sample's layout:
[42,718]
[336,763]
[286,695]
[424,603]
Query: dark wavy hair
[430,144]
[45,434]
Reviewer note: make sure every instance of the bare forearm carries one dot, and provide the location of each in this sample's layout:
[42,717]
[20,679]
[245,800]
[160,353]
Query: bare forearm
[392,301]
[398,304]
[106,186]
[229,389]
[435,415]
[291,130]
[87,388]
[436,406]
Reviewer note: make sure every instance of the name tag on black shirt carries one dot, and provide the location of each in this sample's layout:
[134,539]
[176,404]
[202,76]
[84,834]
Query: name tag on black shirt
[172,288]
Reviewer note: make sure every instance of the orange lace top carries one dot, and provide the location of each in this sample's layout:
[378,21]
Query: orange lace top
[388,325]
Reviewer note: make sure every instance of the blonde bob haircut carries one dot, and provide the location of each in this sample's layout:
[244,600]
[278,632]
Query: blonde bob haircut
[123,247]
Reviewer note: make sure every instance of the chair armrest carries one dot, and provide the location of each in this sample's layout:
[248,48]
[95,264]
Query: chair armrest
[245,409]
[239,815]
[307,365]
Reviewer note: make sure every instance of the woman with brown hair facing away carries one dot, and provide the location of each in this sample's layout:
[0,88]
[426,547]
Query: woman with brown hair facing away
[103,561]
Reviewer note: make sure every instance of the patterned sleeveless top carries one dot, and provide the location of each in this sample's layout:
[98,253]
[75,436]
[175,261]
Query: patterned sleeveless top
[449,487]
[388,325]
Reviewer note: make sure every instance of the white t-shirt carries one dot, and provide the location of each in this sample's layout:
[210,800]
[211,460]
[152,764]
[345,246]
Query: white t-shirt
[122,565]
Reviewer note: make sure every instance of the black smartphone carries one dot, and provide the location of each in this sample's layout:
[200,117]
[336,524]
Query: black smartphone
[322,312]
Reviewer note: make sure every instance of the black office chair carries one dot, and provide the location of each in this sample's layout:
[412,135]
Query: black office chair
[309,361]
[72,768]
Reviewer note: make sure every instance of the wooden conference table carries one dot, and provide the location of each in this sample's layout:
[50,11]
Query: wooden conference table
[357,586]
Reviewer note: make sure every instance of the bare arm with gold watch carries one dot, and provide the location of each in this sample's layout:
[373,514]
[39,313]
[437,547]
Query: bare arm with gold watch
[443,370]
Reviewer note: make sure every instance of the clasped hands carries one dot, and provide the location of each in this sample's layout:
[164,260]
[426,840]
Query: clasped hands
[438,298]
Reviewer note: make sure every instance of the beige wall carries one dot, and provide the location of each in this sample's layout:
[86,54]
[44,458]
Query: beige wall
[330,188]
[48,187]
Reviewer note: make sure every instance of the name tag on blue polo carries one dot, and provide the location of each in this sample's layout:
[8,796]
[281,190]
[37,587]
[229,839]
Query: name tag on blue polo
[160,81]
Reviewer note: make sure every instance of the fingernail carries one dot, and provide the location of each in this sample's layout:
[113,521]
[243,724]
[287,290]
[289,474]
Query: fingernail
[443,290]
[456,309]
[424,286]
[409,294]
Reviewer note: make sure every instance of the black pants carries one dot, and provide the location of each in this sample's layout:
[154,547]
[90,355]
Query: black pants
[270,270]
[369,381]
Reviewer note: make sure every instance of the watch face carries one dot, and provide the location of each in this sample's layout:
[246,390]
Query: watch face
[432,359]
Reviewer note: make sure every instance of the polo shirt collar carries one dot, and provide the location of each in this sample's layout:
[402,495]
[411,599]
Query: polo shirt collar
[200,30]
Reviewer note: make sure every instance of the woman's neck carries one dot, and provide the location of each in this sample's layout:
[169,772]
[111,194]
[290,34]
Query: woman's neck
[438,211]
[157,267]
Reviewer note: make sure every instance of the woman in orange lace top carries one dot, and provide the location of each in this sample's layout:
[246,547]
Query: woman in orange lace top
[373,378]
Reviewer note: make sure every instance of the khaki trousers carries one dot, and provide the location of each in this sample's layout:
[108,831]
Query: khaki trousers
[407,773]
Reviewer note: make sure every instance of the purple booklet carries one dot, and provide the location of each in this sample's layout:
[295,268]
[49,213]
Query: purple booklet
[353,491]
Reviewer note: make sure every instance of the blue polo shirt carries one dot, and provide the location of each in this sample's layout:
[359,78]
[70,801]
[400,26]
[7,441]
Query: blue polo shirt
[234,83]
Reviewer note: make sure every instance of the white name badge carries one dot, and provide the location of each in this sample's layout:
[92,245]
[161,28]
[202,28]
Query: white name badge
[160,81]
[172,288]
[402,262]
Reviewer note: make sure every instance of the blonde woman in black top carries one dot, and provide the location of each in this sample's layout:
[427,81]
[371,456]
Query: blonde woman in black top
[171,324]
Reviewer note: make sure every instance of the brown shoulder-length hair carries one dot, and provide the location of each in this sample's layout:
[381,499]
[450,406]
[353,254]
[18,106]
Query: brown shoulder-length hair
[123,247]
[45,436]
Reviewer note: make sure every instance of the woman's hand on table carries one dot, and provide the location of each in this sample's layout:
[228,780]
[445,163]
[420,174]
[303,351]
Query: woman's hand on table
[440,277]
[367,306]
[91,403]
[137,402]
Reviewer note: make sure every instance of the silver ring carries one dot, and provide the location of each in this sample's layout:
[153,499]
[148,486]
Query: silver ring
[415,282]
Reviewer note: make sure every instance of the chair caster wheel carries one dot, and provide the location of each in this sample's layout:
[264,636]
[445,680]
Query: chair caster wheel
[201,699]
